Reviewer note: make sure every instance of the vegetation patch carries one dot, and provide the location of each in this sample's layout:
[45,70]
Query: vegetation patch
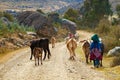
[115,62]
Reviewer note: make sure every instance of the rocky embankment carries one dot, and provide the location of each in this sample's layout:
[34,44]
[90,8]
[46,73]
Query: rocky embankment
[15,41]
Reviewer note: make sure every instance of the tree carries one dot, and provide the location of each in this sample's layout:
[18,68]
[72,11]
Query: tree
[54,17]
[118,10]
[95,10]
[8,16]
[71,14]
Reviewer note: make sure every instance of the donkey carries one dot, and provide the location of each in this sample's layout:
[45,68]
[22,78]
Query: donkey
[71,46]
[86,49]
[41,43]
[38,54]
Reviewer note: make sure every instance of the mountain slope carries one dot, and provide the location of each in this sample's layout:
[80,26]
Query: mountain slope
[114,3]
[43,0]
[45,5]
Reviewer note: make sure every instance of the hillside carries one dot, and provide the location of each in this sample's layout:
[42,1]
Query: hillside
[114,3]
[45,5]
[44,0]
[76,5]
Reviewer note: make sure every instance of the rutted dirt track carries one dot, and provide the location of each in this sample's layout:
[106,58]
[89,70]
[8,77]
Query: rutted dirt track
[58,67]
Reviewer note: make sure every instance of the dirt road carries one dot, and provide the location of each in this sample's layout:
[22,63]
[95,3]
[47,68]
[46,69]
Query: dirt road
[58,67]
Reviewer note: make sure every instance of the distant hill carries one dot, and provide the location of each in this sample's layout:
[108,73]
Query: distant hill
[76,5]
[114,3]
[59,6]
[45,5]
[44,0]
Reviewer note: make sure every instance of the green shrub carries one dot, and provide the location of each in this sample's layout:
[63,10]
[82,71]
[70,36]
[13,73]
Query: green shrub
[14,27]
[57,25]
[103,27]
[109,42]
[1,14]
[110,34]
[8,16]
[30,28]
[4,31]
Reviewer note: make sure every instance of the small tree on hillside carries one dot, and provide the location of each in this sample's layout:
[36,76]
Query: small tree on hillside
[95,10]
[8,16]
[118,10]
[54,17]
[1,14]
[71,14]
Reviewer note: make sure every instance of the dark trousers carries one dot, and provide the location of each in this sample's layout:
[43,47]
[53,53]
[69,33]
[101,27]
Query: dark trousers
[96,62]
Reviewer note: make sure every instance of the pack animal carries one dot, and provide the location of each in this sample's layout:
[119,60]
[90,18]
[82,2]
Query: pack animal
[86,50]
[53,41]
[42,43]
[38,54]
[71,46]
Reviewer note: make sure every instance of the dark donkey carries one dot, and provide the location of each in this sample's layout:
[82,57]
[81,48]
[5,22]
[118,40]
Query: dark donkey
[42,43]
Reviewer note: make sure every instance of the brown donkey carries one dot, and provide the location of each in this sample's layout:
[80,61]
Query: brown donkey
[53,41]
[86,49]
[71,46]
[38,54]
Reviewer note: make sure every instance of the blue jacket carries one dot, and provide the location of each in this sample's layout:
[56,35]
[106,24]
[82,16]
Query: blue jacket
[95,45]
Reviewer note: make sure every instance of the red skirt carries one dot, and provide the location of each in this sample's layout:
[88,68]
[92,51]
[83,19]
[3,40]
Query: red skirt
[93,57]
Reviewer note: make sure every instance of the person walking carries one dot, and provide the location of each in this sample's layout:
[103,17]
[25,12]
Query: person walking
[95,51]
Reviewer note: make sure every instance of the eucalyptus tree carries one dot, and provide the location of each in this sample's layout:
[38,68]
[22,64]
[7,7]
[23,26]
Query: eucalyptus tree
[94,11]
[118,10]
[71,14]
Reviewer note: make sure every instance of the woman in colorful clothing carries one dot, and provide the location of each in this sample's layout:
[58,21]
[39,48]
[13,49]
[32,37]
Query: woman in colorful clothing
[95,50]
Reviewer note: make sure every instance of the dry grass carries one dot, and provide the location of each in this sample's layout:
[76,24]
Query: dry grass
[61,34]
[4,50]
[115,62]
[109,34]
[6,56]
